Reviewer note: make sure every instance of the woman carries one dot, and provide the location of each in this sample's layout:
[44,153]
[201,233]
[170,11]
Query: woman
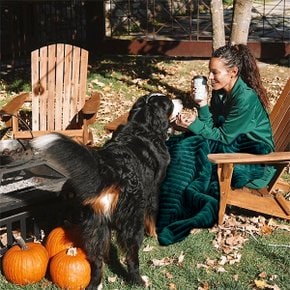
[235,121]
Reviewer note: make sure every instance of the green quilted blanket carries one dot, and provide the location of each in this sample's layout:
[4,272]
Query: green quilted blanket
[189,195]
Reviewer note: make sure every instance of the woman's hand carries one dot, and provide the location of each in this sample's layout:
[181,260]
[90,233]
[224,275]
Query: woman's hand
[184,120]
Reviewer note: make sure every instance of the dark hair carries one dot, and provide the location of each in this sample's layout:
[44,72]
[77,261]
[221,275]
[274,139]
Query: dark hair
[239,55]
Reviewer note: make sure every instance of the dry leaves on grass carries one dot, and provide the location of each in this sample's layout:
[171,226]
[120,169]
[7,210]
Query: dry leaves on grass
[264,281]
[231,236]
[169,261]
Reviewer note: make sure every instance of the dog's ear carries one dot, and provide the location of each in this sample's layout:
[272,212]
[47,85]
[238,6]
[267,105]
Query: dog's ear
[159,111]
[134,113]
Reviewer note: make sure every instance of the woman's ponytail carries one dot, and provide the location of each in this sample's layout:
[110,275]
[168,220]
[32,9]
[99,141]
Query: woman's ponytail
[240,56]
[250,73]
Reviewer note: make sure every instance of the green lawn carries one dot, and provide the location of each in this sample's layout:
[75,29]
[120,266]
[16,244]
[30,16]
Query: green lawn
[194,264]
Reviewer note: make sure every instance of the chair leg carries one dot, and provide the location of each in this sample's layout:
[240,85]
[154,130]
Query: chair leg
[87,135]
[283,203]
[222,208]
[225,172]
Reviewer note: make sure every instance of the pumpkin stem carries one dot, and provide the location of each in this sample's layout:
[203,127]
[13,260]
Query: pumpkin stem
[72,251]
[20,241]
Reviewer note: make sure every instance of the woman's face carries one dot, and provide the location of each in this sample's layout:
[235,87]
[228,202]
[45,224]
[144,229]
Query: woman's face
[220,76]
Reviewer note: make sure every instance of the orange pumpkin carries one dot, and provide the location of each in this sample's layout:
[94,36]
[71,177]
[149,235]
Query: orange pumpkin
[61,239]
[25,263]
[69,269]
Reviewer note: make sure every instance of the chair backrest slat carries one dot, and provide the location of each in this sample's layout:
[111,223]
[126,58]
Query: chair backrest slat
[59,87]
[67,83]
[44,83]
[74,80]
[83,77]
[59,76]
[50,87]
[280,119]
[35,88]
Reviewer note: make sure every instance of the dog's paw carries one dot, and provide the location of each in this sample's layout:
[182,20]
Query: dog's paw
[137,280]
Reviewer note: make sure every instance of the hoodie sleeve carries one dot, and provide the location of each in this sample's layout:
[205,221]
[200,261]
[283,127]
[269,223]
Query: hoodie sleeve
[239,119]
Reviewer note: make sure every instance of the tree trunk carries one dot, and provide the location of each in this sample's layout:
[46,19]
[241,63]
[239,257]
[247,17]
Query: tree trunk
[241,21]
[218,25]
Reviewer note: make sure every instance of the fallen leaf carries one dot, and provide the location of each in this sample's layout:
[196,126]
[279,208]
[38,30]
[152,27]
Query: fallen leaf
[220,269]
[274,287]
[163,262]
[199,265]
[97,82]
[273,277]
[195,231]
[266,230]
[261,284]
[181,258]
[112,279]
[263,275]
[146,280]
[223,260]
[210,262]
[203,286]
[172,286]
[148,248]
[107,89]
[168,275]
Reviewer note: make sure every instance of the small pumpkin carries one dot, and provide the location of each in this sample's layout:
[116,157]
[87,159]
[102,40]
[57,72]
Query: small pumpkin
[61,239]
[25,263]
[69,269]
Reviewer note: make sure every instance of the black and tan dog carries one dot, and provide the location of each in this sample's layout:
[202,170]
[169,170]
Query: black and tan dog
[118,183]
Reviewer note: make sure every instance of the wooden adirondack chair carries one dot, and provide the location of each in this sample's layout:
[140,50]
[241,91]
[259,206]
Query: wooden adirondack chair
[58,98]
[268,200]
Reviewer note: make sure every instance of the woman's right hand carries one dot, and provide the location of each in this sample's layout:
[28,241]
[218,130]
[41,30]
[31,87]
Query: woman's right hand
[184,120]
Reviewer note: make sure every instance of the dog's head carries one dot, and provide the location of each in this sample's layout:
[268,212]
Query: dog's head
[154,111]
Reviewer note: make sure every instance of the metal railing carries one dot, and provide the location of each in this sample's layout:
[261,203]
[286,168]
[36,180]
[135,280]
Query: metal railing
[190,19]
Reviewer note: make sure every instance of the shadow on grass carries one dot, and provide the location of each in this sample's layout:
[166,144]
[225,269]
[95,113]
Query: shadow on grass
[133,67]
[130,67]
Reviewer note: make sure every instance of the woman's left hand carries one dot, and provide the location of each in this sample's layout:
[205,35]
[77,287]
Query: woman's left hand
[184,120]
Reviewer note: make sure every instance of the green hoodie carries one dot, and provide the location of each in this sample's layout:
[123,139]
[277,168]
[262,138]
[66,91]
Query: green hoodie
[229,116]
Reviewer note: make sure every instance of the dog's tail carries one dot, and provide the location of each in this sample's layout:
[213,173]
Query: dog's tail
[76,161]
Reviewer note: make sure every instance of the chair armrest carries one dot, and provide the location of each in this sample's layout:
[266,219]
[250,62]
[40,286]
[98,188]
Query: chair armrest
[92,105]
[15,104]
[121,120]
[236,158]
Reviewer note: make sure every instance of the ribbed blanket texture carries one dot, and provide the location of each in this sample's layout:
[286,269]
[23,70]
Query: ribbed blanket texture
[189,195]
